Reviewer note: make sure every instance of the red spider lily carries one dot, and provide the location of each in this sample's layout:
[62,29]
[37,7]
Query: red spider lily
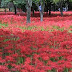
[35,51]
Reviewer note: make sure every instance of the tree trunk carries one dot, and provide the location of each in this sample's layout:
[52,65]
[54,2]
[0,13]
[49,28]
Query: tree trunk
[28,5]
[49,8]
[15,9]
[5,10]
[9,9]
[66,6]
[61,8]
[33,11]
[0,3]
[49,12]
[42,9]
[46,8]
[41,16]
[54,7]
[28,14]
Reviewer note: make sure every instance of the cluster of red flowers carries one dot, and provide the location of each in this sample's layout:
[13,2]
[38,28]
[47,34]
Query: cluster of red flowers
[54,20]
[39,51]
[36,50]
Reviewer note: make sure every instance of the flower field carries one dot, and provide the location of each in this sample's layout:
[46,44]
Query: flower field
[37,47]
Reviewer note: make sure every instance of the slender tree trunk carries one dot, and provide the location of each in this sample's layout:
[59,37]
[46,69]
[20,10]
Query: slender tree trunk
[66,6]
[28,14]
[33,11]
[9,9]
[50,9]
[41,16]
[28,4]
[0,3]
[54,7]
[47,10]
[41,13]
[15,9]
[42,10]
[61,8]
[5,9]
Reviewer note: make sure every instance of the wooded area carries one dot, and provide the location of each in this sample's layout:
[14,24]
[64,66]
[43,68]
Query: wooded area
[37,5]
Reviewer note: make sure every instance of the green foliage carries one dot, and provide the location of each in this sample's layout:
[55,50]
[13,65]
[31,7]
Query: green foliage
[36,2]
[3,3]
[19,1]
[16,2]
[3,25]
[66,70]
[55,1]
[70,0]
[30,2]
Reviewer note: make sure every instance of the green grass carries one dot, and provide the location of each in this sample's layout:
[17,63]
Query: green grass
[3,25]
[38,28]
